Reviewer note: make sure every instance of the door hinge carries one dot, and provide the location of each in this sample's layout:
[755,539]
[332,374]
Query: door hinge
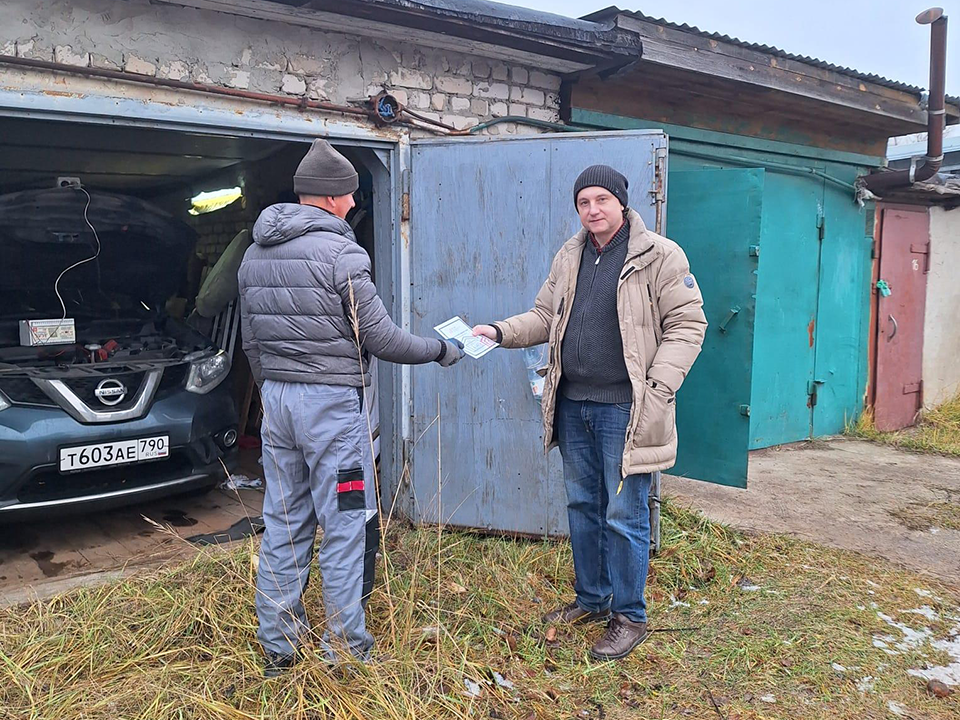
[754,251]
[821,227]
[745,410]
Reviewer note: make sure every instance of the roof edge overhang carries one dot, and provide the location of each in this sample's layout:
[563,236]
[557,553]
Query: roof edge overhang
[550,42]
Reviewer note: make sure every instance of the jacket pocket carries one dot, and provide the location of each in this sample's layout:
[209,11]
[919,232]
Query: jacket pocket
[658,418]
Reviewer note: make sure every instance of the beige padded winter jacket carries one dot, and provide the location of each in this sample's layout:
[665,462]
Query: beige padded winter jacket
[662,325]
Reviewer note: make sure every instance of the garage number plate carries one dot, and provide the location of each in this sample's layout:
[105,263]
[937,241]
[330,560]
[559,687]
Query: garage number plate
[121,452]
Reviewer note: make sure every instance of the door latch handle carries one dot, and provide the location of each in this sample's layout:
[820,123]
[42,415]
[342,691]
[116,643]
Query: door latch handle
[895,328]
[734,311]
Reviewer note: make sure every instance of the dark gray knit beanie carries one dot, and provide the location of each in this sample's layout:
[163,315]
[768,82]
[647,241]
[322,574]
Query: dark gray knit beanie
[323,172]
[602,176]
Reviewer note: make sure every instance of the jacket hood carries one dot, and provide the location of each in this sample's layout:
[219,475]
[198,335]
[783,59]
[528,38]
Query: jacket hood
[285,221]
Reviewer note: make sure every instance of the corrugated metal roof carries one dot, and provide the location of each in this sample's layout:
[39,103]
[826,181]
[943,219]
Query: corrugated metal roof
[613,11]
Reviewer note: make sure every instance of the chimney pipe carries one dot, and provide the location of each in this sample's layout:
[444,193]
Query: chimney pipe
[936,115]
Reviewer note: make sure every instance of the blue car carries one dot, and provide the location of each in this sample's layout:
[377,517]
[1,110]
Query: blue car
[104,398]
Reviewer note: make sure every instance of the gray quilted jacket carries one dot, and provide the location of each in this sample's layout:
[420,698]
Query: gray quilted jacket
[299,284]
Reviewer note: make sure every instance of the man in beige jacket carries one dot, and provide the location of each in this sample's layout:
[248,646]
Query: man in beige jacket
[623,317]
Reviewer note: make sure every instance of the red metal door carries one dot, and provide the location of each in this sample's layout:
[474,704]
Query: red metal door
[904,252]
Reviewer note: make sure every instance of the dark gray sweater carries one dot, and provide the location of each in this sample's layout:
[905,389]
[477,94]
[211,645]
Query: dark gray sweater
[592,349]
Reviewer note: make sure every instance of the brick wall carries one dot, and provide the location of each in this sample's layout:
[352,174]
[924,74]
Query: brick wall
[274,57]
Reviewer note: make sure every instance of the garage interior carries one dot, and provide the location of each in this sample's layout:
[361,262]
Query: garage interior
[168,168]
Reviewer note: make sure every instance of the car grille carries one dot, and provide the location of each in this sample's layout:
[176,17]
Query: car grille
[173,379]
[23,391]
[51,485]
[85,388]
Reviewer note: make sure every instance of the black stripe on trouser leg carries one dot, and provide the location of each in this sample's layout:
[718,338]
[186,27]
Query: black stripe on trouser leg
[350,490]
[370,548]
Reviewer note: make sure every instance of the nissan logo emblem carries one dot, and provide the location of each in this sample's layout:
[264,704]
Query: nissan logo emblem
[110,392]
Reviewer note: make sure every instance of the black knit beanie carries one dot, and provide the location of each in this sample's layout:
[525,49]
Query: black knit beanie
[602,176]
[324,172]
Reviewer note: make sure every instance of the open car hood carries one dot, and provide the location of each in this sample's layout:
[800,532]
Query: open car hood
[143,255]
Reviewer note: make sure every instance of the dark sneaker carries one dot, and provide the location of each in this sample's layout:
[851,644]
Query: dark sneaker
[275,664]
[622,638]
[575,615]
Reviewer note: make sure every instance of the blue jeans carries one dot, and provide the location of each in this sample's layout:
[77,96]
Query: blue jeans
[609,532]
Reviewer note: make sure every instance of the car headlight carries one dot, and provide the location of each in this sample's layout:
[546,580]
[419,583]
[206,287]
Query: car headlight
[208,372]
[4,403]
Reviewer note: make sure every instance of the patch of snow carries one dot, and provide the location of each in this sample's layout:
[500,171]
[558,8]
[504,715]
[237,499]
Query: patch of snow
[912,639]
[871,583]
[947,674]
[768,699]
[861,607]
[502,681]
[677,603]
[870,592]
[865,685]
[923,593]
[882,642]
[838,667]
[928,612]
[897,709]
[874,606]
[934,530]
[703,602]
[749,588]
[473,689]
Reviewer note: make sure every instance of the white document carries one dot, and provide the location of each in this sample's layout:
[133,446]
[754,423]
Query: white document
[474,346]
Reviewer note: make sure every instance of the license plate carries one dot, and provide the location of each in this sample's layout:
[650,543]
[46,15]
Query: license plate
[121,452]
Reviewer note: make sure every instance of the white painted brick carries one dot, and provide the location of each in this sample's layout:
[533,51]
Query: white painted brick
[239,79]
[318,89]
[518,109]
[400,94]
[552,101]
[438,101]
[134,64]
[500,72]
[178,70]
[454,85]
[493,130]
[405,77]
[516,94]
[9,49]
[479,107]
[305,65]
[498,91]
[420,100]
[481,69]
[293,84]
[432,116]
[104,63]
[542,80]
[532,97]
[459,104]
[460,122]
[543,114]
[65,55]
[499,109]
[30,49]
[463,68]
[520,75]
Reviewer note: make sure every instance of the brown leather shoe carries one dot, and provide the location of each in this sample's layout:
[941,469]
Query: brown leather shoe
[622,638]
[575,615]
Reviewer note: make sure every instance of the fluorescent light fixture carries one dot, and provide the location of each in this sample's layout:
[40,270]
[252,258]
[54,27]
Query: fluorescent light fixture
[207,202]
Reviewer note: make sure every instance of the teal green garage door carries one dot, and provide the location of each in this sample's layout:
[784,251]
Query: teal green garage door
[716,217]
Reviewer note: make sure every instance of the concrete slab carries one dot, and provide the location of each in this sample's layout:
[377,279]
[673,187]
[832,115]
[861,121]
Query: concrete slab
[841,493]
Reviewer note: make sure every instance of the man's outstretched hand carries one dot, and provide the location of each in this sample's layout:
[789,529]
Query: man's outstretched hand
[487,331]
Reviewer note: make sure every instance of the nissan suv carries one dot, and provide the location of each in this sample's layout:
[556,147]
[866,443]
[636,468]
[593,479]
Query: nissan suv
[105,399]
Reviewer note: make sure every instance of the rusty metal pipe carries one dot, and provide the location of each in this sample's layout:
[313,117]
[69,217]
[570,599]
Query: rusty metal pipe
[936,113]
[180,85]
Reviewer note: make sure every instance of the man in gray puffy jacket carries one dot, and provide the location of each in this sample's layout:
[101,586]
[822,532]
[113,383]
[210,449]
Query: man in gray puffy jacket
[311,318]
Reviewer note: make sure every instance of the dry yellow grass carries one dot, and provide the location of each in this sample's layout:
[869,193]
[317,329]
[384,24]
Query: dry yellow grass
[749,627]
[938,431]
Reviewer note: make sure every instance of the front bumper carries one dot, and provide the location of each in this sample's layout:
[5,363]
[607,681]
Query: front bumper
[31,437]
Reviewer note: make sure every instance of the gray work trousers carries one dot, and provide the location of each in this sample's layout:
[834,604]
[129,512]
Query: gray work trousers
[318,467]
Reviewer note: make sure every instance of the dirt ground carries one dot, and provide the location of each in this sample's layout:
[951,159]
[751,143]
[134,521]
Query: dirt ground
[847,494]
